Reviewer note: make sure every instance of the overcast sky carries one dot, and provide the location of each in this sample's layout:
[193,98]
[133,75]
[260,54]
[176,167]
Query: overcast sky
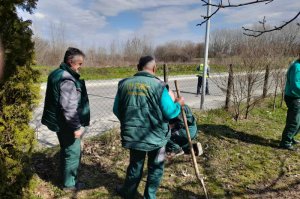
[98,22]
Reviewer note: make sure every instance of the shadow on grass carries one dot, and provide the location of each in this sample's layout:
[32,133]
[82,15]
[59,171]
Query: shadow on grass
[92,174]
[180,193]
[269,187]
[223,131]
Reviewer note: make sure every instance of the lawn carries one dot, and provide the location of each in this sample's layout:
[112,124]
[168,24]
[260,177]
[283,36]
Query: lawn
[241,160]
[97,73]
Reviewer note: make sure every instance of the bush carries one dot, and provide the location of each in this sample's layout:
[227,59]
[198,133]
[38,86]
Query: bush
[18,97]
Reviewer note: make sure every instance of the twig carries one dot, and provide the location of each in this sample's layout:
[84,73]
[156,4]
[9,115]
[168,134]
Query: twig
[221,5]
[248,32]
[256,33]
[229,5]
[206,18]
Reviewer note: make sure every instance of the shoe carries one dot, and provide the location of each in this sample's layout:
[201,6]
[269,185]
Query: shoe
[197,149]
[179,153]
[77,187]
[80,186]
[175,154]
[119,191]
[207,93]
[69,189]
[295,141]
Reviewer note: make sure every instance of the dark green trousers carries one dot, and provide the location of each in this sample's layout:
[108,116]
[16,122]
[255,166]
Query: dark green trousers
[292,121]
[179,140]
[135,172]
[70,154]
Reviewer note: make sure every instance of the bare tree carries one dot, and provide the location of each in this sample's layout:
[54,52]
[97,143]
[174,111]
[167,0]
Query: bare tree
[178,51]
[42,48]
[247,31]
[136,47]
[250,57]
[58,43]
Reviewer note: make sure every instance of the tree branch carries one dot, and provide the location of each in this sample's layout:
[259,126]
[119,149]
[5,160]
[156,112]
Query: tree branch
[248,31]
[228,5]
[206,18]
[256,33]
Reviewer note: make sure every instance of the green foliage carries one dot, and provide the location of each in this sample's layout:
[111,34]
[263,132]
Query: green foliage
[15,35]
[18,95]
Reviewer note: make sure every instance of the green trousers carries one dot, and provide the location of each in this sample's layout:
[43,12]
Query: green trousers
[70,154]
[135,172]
[179,140]
[292,121]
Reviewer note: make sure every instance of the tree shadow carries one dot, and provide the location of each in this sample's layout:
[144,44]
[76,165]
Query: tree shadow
[179,192]
[265,186]
[93,174]
[223,131]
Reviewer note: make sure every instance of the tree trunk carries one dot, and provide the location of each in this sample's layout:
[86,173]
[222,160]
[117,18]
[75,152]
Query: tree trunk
[229,87]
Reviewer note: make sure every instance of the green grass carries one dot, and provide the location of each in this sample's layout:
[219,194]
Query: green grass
[241,160]
[96,73]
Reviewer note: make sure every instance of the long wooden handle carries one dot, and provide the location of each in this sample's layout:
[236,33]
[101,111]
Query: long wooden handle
[199,177]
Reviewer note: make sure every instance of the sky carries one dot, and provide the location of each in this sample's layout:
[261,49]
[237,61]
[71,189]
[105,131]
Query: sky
[98,23]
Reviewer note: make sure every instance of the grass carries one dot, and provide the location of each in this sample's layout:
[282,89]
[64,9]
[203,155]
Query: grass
[96,73]
[241,160]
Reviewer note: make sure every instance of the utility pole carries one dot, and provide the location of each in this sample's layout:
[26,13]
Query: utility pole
[205,57]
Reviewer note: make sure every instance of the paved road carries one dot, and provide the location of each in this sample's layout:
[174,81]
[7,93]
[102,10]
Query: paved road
[102,93]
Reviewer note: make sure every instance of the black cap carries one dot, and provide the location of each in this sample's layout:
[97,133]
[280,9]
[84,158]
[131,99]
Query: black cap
[144,61]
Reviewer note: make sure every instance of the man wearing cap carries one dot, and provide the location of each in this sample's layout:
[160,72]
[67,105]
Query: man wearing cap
[144,108]
[292,100]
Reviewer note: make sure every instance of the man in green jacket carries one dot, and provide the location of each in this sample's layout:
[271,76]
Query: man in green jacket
[144,108]
[66,112]
[292,100]
[178,143]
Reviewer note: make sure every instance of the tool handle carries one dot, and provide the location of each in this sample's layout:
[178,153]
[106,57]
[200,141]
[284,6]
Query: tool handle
[199,177]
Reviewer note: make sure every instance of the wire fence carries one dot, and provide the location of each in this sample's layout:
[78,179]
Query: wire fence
[102,93]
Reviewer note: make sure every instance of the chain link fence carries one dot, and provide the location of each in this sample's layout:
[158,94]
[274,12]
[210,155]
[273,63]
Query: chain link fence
[102,93]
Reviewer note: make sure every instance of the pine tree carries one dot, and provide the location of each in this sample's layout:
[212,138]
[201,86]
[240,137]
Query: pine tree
[18,95]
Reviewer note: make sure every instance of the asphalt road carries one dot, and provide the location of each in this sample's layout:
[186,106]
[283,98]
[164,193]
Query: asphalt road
[101,96]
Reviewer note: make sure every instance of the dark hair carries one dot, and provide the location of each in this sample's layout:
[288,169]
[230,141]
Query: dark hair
[72,52]
[144,61]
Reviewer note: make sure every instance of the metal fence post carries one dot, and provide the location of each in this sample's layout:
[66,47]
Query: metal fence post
[165,73]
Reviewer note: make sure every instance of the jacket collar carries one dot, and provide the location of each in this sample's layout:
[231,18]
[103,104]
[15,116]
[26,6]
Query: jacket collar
[66,67]
[144,73]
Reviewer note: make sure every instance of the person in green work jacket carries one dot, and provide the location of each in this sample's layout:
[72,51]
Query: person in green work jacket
[66,112]
[144,108]
[178,143]
[200,68]
[292,100]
